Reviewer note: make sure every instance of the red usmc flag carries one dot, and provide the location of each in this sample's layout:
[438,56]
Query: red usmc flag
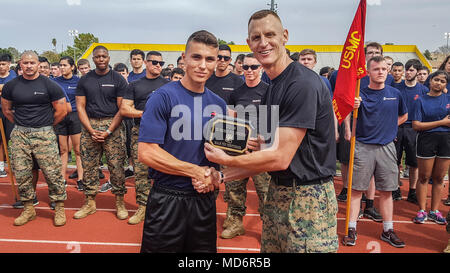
[352,65]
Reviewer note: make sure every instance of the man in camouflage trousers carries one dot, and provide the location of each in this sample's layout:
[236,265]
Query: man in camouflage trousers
[38,103]
[98,96]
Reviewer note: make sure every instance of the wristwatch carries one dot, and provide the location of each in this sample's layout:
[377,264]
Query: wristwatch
[222,177]
[109,132]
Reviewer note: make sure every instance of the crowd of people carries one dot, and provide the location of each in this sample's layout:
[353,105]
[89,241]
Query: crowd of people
[130,116]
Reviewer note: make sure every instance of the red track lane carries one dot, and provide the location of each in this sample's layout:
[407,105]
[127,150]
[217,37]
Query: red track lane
[102,232]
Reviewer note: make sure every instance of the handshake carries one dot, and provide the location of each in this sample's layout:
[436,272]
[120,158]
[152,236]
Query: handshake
[207,181]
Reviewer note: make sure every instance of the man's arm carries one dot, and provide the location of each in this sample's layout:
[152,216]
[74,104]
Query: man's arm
[82,114]
[7,109]
[60,108]
[402,119]
[115,123]
[276,158]
[152,155]
[423,126]
[127,109]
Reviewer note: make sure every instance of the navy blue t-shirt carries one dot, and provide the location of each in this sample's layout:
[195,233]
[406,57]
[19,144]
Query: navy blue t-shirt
[431,108]
[410,95]
[6,79]
[378,115]
[70,87]
[133,76]
[397,85]
[328,84]
[174,118]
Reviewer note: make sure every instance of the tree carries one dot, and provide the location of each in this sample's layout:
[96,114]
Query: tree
[51,56]
[81,44]
[223,42]
[427,54]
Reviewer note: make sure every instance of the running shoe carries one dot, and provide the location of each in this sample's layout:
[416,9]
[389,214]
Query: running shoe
[421,217]
[3,174]
[73,175]
[100,174]
[19,204]
[392,238]
[106,187]
[436,216]
[447,202]
[350,239]
[80,185]
[412,198]
[342,197]
[397,195]
[373,214]
[129,173]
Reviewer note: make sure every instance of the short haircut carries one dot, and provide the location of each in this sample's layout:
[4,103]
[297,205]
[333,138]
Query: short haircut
[70,61]
[438,73]
[5,57]
[224,47]
[176,70]
[308,51]
[240,57]
[55,64]
[41,59]
[120,67]
[166,72]
[324,70]
[295,56]
[99,47]
[135,52]
[388,58]
[83,62]
[424,68]
[32,53]
[376,59]
[250,55]
[153,53]
[203,37]
[262,14]
[414,63]
[397,64]
[373,44]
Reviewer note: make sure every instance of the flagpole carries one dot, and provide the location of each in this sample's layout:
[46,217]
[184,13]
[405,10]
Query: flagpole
[352,155]
[5,149]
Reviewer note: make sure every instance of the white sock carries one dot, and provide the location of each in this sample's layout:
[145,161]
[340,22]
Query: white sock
[352,225]
[387,225]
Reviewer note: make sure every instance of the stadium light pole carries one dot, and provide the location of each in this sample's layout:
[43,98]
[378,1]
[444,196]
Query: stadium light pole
[273,5]
[73,33]
[447,35]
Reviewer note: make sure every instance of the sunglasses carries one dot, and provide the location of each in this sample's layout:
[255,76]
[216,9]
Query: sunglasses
[225,58]
[252,67]
[161,63]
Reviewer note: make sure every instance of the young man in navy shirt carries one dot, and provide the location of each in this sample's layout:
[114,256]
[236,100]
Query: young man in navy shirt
[137,57]
[411,90]
[381,111]
[171,143]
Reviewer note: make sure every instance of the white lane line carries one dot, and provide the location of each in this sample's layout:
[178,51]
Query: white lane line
[105,244]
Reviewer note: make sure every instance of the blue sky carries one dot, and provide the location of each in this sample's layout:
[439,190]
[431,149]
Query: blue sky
[28,24]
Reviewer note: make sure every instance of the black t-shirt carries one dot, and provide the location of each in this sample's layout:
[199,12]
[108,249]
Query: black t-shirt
[32,100]
[139,90]
[224,86]
[101,92]
[244,96]
[304,102]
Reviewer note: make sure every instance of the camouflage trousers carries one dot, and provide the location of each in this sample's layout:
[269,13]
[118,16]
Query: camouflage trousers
[300,219]
[43,147]
[236,193]
[142,182]
[115,153]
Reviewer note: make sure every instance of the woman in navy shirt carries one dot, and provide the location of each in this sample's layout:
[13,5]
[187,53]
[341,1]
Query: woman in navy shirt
[71,125]
[431,118]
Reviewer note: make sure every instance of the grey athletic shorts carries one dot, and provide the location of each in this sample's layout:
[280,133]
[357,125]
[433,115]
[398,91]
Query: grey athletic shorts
[377,160]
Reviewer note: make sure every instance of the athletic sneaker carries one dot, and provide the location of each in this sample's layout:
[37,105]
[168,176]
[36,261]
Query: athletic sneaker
[392,238]
[373,214]
[3,174]
[350,239]
[129,173]
[363,198]
[342,197]
[447,202]
[106,187]
[412,197]
[80,185]
[360,214]
[74,175]
[100,174]
[436,216]
[397,195]
[421,217]
[19,204]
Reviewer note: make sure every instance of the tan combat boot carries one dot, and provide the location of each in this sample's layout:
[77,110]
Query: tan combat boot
[138,217]
[226,222]
[234,229]
[27,214]
[60,215]
[122,212]
[447,249]
[88,208]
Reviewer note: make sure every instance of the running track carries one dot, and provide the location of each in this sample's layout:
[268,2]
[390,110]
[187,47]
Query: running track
[102,232]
